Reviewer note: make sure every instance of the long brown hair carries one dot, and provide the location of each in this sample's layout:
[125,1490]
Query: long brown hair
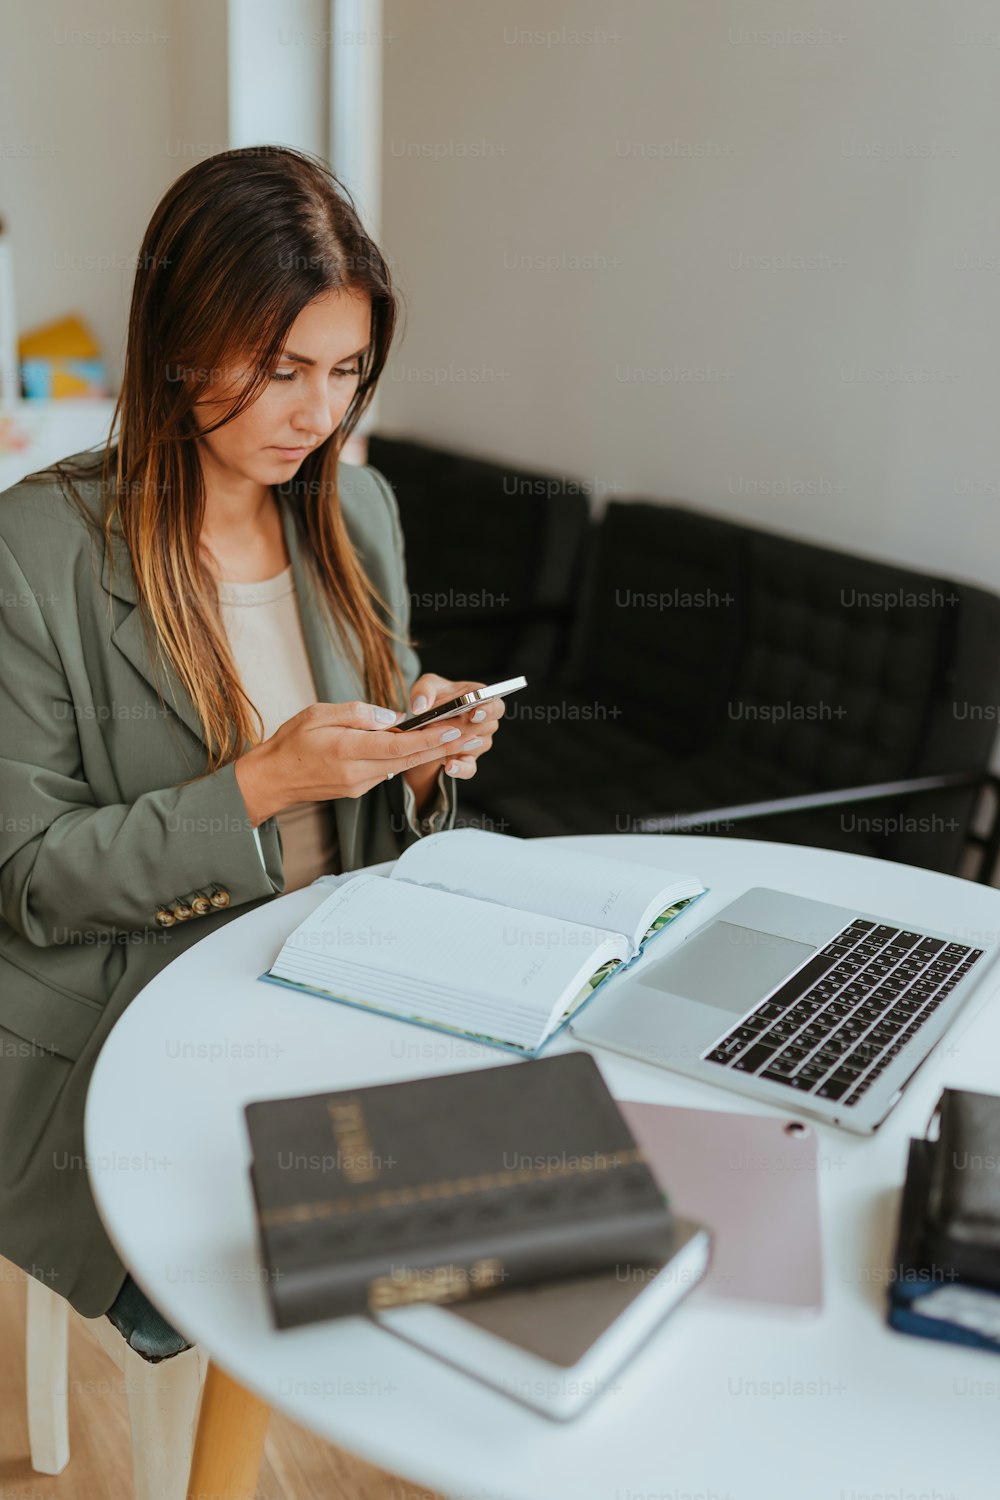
[241,241]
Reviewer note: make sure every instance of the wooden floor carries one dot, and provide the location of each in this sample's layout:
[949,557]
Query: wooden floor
[297,1465]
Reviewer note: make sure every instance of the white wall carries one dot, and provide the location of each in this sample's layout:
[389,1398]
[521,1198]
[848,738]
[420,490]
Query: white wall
[673,148]
[102,106]
[861,135]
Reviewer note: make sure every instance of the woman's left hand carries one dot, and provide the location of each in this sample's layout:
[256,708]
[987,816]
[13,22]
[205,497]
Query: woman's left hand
[477,727]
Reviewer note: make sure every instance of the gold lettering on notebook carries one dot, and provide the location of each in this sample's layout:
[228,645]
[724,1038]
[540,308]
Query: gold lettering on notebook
[357,1159]
[449,1283]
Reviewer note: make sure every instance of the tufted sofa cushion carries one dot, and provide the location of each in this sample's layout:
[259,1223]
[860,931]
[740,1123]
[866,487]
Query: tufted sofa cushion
[680,662]
[835,688]
[715,665]
[660,620]
[492,557]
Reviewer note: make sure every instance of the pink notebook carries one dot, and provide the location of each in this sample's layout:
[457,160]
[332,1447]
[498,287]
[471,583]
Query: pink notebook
[752,1180]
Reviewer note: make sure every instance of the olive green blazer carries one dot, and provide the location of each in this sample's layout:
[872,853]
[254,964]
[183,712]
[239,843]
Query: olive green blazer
[97,836]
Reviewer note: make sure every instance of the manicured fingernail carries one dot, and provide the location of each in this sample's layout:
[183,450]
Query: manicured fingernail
[471,744]
[384,715]
[453,768]
[478,716]
[419,703]
[449,734]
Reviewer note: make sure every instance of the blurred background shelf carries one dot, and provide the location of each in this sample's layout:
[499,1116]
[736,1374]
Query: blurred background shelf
[36,433]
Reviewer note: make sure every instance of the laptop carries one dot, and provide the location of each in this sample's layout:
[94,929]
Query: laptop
[795,1002]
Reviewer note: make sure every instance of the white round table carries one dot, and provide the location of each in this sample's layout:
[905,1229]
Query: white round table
[726,1400]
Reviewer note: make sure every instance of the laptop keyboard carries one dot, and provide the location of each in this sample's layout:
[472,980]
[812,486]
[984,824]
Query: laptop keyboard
[834,1026]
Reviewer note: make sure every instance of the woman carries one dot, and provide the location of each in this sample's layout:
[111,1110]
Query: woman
[205,643]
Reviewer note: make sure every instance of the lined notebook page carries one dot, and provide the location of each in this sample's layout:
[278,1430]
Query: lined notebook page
[444,957]
[614,894]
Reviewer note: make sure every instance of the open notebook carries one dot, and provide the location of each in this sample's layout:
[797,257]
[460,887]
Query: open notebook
[496,938]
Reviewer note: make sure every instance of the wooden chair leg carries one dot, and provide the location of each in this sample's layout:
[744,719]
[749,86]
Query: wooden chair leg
[162,1410]
[47,1362]
[229,1443]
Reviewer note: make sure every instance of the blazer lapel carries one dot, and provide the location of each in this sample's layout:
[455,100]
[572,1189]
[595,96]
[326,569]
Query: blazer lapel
[130,637]
[334,679]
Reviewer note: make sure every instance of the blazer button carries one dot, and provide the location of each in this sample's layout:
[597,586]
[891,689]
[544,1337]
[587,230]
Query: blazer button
[200,905]
[182,912]
[220,898]
[165,918]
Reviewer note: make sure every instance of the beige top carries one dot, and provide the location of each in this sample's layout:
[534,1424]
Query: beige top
[265,634]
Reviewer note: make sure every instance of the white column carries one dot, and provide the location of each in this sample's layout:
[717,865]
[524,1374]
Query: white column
[10,381]
[356,119]
[277,74]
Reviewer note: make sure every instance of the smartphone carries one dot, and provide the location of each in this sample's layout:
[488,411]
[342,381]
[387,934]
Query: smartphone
[462,704]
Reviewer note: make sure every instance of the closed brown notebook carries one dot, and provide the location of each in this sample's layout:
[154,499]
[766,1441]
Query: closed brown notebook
[445,1188]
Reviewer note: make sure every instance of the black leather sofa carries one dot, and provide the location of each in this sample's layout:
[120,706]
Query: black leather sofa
[686,672]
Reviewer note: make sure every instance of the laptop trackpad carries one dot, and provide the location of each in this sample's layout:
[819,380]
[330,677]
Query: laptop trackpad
[727,966]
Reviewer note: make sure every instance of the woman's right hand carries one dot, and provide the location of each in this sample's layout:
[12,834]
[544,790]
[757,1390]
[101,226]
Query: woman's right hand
[334,750]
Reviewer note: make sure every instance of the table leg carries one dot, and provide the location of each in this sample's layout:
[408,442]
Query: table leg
[229,1442]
